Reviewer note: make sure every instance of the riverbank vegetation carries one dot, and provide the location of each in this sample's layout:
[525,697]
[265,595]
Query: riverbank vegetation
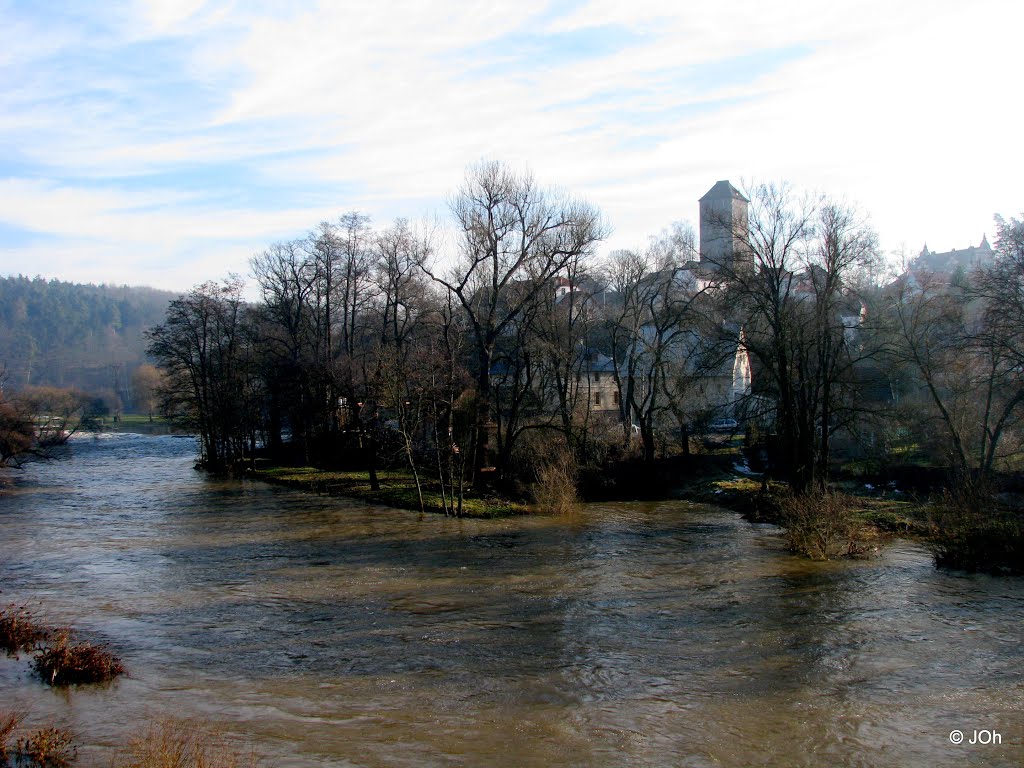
[395,488]
[20,630]
[63,661]
[58,660]
[35,420]
[42,748]
[450,371]
[162,743]
[177,743]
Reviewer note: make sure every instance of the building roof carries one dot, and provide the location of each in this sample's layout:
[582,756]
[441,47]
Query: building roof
[723,190]
[950,261]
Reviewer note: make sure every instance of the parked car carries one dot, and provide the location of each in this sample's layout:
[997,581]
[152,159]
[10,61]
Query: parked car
[724,425]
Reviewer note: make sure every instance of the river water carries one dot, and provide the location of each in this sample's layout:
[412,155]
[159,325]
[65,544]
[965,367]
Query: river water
[326,632]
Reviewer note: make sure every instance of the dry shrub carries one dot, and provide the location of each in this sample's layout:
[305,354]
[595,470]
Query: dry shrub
[63,662]
[174,743]
[821,526]
[19,630]
[8,722]
[555,488]
[45,748]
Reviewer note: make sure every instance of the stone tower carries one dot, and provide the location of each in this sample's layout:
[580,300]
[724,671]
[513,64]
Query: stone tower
[723,228]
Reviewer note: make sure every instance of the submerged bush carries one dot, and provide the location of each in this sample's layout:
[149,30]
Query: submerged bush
[63,662]
[821,526]
[8,722]
[173,743]
[19,629]
[45,748]
[971,531]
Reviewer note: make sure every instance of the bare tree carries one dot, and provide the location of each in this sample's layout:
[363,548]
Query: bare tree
[398,251]
[963,343]
[17,432]
[288,280]
[515,237]
[354,293]
[998,340]
[661,339]
[201,348]
[451,408]
[146,382]
[56,412]
[562,331]
[402,375]
[802,322]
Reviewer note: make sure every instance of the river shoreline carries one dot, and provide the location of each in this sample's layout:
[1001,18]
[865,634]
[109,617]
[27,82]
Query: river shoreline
[398,490]
[883,514]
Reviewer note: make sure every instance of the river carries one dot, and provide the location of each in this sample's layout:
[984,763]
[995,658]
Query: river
[325,632]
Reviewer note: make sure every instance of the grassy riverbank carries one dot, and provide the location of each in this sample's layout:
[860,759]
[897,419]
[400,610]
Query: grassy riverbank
[969,529]
[397,489]
[702,479]
[883,511]
[854,518]
[136,423]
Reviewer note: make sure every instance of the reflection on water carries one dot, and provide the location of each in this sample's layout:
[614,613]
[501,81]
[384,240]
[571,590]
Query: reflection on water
[648,634]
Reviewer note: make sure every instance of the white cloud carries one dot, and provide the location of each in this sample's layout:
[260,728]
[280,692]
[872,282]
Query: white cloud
[906,109]
[163,16]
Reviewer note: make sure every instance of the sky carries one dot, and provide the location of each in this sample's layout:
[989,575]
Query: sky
[164,143]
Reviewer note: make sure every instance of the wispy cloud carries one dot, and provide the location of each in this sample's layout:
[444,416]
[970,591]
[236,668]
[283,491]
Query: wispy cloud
[197,132]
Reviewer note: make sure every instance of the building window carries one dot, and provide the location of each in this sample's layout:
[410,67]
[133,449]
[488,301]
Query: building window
[597,376]
[615,397]
[597,399]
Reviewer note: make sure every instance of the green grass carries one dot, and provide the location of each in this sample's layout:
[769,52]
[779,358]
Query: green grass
[137,419]
[397,489]
[882,512]
[903,517]
[133,422]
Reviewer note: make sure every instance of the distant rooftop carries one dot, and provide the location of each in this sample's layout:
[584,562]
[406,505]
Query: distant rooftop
[723,190]
[951,261]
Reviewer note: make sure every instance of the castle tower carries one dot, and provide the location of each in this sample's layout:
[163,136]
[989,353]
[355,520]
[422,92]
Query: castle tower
[723,228]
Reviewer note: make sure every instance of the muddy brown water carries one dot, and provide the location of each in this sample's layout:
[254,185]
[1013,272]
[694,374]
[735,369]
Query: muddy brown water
[326,632]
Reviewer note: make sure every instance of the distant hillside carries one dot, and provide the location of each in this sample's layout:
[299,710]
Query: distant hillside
[71,335]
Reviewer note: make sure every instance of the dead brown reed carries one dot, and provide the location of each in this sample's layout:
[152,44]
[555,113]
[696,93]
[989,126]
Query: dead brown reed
[63,662]
[177,743]
[20,630]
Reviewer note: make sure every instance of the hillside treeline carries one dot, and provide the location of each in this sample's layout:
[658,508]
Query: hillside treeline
[85,337]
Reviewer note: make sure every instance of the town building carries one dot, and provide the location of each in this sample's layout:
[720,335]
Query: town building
[950,262]
[724,228]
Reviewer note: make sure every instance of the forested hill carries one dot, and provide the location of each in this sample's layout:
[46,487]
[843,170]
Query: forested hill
[71,335]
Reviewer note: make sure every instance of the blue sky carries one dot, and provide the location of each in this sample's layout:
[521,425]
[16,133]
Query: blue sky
[165,142]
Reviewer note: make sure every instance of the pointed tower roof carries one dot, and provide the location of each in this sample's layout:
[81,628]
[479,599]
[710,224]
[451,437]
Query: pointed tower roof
[984,243]
[723,190]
